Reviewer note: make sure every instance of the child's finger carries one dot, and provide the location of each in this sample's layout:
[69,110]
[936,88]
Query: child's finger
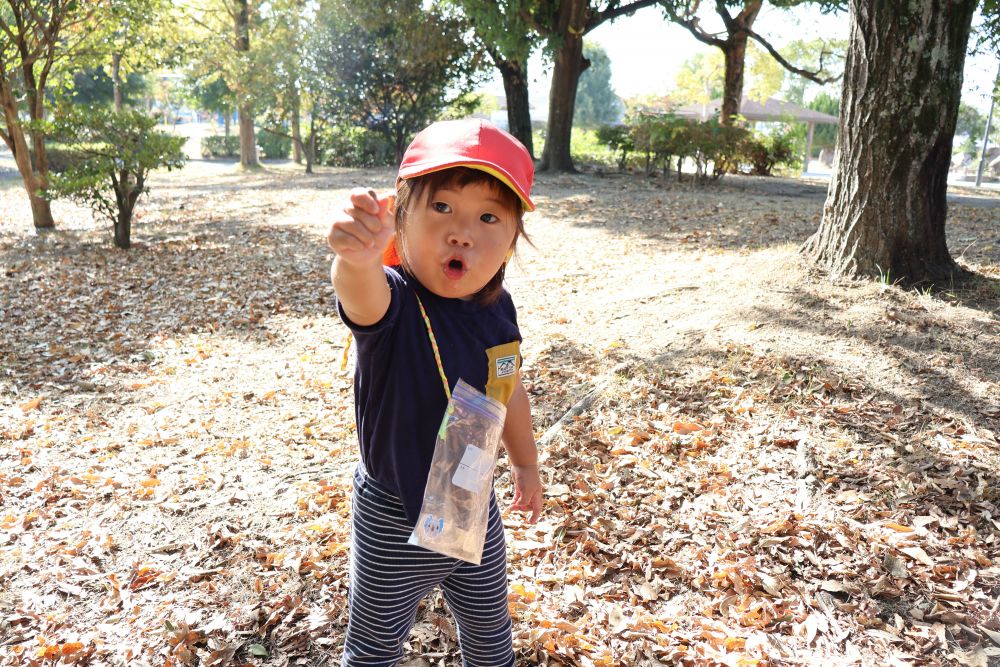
[365,199]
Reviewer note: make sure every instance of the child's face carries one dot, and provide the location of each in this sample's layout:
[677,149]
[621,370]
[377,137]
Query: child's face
[457,240]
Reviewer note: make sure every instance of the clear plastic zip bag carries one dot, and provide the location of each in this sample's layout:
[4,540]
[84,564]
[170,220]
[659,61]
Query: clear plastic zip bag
[454,513]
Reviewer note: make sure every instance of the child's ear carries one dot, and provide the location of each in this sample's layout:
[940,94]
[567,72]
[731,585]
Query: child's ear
[510,253]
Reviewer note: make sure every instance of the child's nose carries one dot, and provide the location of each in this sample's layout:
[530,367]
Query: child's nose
[460,238]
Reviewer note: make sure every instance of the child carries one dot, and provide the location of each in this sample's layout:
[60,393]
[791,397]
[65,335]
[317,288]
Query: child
[438,314]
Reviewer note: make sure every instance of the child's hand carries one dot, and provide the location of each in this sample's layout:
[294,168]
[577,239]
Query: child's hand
[527,491]
[362,231]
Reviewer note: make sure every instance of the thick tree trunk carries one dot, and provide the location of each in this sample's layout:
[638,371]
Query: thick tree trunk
[34,180]
[886,207]
[116,80]
[569,65]
[515,86]
[735,54]
[123,229]
[248,138]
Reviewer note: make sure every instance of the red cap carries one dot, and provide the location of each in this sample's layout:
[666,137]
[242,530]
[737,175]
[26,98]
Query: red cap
[473,143]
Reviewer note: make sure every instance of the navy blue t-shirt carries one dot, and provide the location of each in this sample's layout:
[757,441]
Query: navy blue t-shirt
[398,393]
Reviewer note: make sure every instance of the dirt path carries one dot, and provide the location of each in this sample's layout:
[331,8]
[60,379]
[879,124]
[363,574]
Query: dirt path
[777,469]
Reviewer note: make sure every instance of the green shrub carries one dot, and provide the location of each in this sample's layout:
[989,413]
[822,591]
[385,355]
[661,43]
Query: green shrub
[273,146]
[220,146]
[349,146]
[619,138]
[112,154]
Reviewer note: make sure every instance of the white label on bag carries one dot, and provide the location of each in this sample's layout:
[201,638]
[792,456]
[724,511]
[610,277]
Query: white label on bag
[473,469]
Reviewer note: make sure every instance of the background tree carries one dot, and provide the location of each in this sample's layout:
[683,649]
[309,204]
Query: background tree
[738,18]
[94,87]
[503,29]
[227,31]
[283,96]
[596,100]
[211,93]
[137,36]
[886,207]
[35,37]
[699,79]
[563,23]
[371,71]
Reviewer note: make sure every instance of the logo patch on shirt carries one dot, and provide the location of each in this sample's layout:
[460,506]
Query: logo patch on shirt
[506,366]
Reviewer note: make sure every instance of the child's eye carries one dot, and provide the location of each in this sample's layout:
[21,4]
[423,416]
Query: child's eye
[489,218]
[441,207]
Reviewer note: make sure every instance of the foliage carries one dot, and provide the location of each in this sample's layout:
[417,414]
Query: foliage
[700,78]
[94,86]
[724,149]
[596,101]
[350,146]
[220,146]
[764,75]
[115,152]
[210,93]
[274,146]
[814,55]
[394,84]
[619,139]
[825,134]
[37,40]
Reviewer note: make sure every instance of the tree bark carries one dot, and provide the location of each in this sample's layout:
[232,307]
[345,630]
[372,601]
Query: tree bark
[297,130]
[886,207]
[248,140]
[569,65]
[734,48]
[515,86]
[735,53]
[116,80]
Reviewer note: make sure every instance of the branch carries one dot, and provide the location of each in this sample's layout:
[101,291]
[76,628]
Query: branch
[806,74]
[696,30]
[611,14]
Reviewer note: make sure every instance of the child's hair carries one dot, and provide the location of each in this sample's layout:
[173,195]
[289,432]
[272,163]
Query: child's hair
[411,189]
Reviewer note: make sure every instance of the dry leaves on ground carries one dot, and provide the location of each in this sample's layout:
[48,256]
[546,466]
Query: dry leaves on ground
[766,469]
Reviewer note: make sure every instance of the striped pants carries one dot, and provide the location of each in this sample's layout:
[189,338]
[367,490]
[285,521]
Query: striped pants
[389,578]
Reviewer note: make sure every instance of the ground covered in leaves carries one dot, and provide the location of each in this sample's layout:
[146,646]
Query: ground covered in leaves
[758,467]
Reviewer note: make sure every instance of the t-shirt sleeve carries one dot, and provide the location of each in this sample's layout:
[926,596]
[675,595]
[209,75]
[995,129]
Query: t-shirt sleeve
[397,295]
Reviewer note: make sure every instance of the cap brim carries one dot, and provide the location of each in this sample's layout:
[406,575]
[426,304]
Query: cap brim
[416,170]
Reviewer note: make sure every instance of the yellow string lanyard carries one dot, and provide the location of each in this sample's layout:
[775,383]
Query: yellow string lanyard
[434,347]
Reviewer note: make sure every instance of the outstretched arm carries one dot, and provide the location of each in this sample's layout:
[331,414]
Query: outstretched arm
[519,441]
[359,235]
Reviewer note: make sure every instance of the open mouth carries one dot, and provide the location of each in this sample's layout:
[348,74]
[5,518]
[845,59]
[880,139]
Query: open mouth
[455,268]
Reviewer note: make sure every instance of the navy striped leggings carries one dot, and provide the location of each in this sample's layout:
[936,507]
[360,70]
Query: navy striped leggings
[389,577]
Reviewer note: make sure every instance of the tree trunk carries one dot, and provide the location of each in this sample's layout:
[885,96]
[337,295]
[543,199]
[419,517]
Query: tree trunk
[732,91]
[227,120]
[116,80]
[886,207]
[735,53]
[297,131]
[123,229]
[569,65]
[41,212]
[248,139]
[311,145]
[515,86]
